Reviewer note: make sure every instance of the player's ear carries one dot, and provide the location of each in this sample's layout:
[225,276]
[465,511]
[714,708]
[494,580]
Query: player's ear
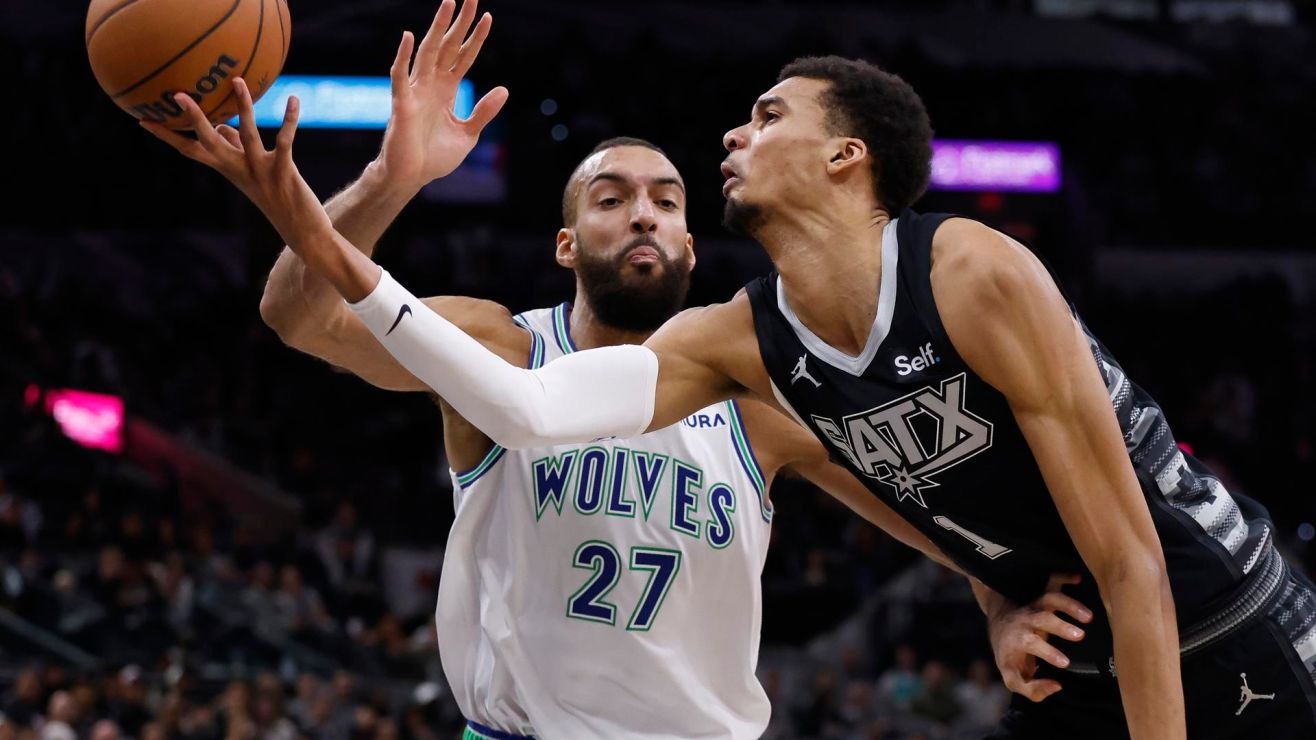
[690,249]
[566,248]
[845,152]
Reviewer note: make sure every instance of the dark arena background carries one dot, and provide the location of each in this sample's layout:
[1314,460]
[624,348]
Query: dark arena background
[205,534]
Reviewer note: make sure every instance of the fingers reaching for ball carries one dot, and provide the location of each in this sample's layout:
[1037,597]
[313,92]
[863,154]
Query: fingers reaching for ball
[217,145]
[207,138]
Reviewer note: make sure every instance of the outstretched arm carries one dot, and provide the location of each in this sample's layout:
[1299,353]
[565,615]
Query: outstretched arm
[617,391]
[1008,321]
[424,141]
[599,393]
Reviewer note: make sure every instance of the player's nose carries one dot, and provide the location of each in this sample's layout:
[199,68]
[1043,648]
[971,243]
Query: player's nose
[734,139]
[643,217]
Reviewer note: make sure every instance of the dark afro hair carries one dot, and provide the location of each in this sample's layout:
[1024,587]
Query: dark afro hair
[884,111]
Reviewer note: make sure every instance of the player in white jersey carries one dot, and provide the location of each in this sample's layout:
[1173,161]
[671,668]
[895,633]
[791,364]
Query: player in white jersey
[607,589]
[611,589]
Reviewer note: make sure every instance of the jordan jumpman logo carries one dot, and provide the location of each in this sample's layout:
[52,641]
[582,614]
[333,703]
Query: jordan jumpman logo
[802,371]
[1247,696]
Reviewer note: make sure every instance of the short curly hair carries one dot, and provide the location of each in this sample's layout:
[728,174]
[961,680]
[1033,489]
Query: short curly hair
[870,104]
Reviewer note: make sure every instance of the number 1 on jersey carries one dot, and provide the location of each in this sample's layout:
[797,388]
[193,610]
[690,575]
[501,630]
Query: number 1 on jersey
[985,546]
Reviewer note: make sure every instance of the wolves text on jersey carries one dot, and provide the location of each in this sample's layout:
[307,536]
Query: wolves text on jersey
[596,480]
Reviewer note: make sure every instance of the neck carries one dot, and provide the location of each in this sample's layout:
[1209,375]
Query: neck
[588,331]
[831,267]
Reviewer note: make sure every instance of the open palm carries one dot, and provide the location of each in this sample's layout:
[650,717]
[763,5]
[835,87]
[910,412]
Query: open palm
[425,140]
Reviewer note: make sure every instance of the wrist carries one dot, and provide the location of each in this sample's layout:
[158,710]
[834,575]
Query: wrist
[381,183]
[992,603]
[352,274]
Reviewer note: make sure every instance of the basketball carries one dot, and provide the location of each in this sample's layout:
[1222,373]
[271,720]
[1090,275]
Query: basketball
[144,51]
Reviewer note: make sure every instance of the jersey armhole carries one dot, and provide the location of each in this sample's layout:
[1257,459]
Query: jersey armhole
[748,461]
[536,343]
[465,479]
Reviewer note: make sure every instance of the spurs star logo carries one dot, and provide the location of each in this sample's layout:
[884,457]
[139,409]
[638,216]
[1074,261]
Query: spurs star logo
[1247,696]
[907,442]
[802,371]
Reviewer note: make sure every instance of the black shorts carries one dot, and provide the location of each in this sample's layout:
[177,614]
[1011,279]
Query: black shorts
[1266,649]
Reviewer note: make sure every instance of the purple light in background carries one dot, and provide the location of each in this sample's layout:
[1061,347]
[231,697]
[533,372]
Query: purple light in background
[1017,166]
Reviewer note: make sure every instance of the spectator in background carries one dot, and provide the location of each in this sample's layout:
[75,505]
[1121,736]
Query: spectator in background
[303,611]
[899,684]
[983,699]
[61,714]
[177,589]
[13,535]
[819,713]
[267,711]
[346,549]
[105,730]
[259,598]
[937,700]
[22,703]
[8,729]
[857,706]
[302,708]
[127,701]
[340,719]
[88,701]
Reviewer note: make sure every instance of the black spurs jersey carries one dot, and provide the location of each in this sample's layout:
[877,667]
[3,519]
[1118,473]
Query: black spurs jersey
[941,447]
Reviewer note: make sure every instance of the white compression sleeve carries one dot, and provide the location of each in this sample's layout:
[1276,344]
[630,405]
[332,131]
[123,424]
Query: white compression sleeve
[605,392]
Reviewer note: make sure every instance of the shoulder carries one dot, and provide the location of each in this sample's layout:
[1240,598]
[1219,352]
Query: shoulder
[698,329]
[470,311]
[714,348]
[976,269]
[1002,310]
[489,322]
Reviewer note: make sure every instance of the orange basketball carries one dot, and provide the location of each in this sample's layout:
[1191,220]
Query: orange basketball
[144,51]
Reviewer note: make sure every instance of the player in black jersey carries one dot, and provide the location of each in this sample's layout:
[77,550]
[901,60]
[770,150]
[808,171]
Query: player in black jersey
[937,359]
[967,394]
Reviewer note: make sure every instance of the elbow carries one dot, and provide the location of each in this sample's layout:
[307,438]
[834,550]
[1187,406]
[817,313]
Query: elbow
[277,316]
[272,313]
[1138,568]
[518,420]
[519,429]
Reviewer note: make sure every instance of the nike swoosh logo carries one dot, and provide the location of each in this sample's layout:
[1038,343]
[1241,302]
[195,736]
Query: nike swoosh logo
[401,312]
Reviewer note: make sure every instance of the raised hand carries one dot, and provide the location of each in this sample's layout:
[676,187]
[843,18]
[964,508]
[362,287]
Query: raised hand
[1019,638]
[425,140]
[268,178]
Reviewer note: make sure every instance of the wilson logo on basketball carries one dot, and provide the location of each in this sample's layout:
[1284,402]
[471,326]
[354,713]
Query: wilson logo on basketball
[166,108]
[144,52]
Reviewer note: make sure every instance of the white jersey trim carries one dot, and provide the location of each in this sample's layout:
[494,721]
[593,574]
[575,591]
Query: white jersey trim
[886,309]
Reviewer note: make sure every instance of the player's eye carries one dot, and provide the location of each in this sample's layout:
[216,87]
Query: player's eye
[610,202]
[667,203]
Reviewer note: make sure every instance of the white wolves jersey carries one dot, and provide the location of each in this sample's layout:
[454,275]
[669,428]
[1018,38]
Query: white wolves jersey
[611,589]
